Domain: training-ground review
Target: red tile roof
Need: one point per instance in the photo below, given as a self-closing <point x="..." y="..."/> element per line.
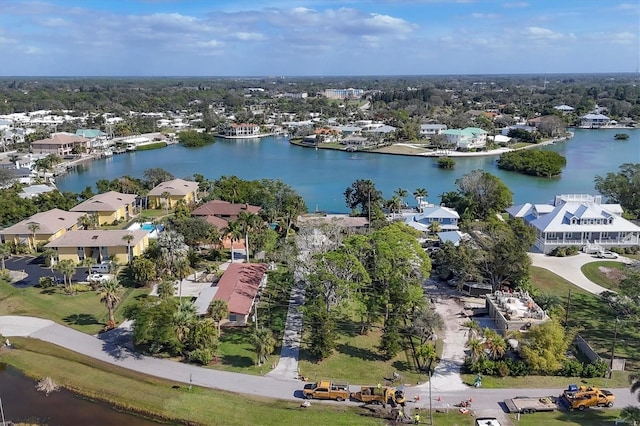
<point x="239" y="286"/>
<point x="223" y="208"/>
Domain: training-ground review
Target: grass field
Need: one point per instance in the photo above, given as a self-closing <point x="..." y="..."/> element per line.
<point x="590" y="417"/>
<point x="605" y="273"/>
<point x="619" y="380"/>
<point x="84" y="311"/>
<point x="165" y="399"/>
<point x="593" y="318"/>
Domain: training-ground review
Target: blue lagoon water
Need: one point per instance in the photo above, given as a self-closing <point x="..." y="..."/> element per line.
<point x="321" y="176"/>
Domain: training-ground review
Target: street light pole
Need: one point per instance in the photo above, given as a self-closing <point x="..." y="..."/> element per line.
<point x="613" y="347"/>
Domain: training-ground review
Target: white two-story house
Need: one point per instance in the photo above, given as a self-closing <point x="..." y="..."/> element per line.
<point x="577" y="220"/>
<point x="467" y="138"/>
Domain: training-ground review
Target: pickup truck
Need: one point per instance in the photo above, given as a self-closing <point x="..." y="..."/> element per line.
<point x="526" y="404"/>
<point x="587" y="396"/>
<point x="326" y="390"/>
<point x="380" y="395"/>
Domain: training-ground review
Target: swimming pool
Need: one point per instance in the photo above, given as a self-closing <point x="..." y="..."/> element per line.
<point x="152" y="229"/>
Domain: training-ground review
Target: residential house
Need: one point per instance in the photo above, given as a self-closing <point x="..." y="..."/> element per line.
<point x="219" y="213"/>
<point x="41" y="228"/>
<point x="109" y="207"/>
<point x="505" y="131"/>
<point x="428" y="130"/>
<point x="119" y="245"/>
<point x="177" y="190"/>
<point x="444" y="216"/>
<point x="60" y="144"/>
<point x="97" y="138"/>
<point x="36" y="190"/>
<point x="241" y="130"/>
<point x="380" y="131"/>
<point x="594" y="121"/>
<point x="343" y="93"/>
<point x="577" y="220"/>
<point x="239" y="286"/>
<point x="565" y="109"/>
<point x="467" y="138"/>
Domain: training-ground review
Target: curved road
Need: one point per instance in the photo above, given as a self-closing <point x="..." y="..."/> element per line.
<point x="112" y="349"/>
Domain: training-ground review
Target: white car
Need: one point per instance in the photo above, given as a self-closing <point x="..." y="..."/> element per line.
<point x="98" y="278"/>
<point x="606" y="254"/>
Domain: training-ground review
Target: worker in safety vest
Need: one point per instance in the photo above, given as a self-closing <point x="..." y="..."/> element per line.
<point x="416" y="418"/>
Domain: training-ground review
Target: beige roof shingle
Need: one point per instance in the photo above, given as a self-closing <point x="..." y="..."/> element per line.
<point x="97" y="238"/>
<point x="109" y="201"/>
<point x="50" y="222"/>
<point x="175" y="187"/>
<point x="61" y="138"/>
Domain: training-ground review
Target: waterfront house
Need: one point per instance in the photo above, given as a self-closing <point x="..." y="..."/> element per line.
<point x="41" y="228"/>
<point x="109" y="207"/>
<point x="97" y="138"/>
<point x="594" y="121"/>
<point x="428" y="130"/>
<point x="61" y="144"/>
<point x="239" y="130"/>
<point x="577" y="220"/>
<point x="176" y="190"/>
<point x="224" y="210"/>
<point x="239" y="286"/>
<point x="467" y="138"/>
<point x="565" y="109"/>
<point x="100" y="245"/>
<point x="446" y="218"/>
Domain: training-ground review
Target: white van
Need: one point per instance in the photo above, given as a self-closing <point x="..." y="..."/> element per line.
<point x="101" y="268"/>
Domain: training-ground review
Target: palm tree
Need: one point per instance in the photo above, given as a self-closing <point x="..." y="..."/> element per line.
<point x="264" y="344"/>
<point x="434" y="227"/>
<point x="218" y="310"/>
<point x="128" y="238"/>
<point x="33" y="227"/>
<point x="420" y="194"/>
<point x="5" y="251"/>
<point x="110" y="291"/>
<point x="473" y="329"/>
<point x="401" y="193"/>
<point x="476" y="348"/>
<point x="183" y="318"/>
<point x="496" y="344"/>
<point x="233" y="231"/>
<point x="248" y="222"/>
<point x="167" y="196"/>
<point x="67" y="268"/>
<point x="165" y="289"/>
<point x="631" y="414"/>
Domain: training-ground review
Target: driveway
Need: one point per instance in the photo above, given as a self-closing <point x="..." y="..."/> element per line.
<point x="35" y="269"/>
<point x="569" y="268"/>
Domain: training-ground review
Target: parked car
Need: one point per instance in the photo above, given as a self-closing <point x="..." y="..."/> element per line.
<point x="606" y="254"/>
<point x="98" y="278"/>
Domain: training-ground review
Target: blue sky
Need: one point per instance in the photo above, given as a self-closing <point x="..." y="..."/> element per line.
<point x="316" y="37"/>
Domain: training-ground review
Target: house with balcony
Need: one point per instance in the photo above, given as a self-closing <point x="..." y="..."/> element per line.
<point x="61" y="144"/>
<point x="594" y="121"/>
<point x="467" y="138"/>
<point x="428" y="130"/>
<point x="41" y="228"/>
<point x="577" y="220"/>
<point x="240" y="130"/>
<point x="176" y="190"/>
<point x="97" y="138"/>
<point x="101" y="245"/>
<point x="109" y="207"/>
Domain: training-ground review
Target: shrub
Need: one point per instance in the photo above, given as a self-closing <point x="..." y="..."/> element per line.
<point x="5" y="275"/>
<point x="559" y="252"/>
<point x="518" y="368"/>
<point x="46" y="282"/>
<point x="502" y="368"/>
<point x="201" y="356"/>
<point x="446" y="163"/>
<point x="81" y="288"/>
<point x="571" y="368"/>
<point x="595" y="369"/>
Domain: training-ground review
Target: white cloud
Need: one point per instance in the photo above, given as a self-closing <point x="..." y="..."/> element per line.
<point x="33" y="50"/>
<point x="247" y="36"/>
<point x="485" y="15"/>
<point x="539" y="33"/>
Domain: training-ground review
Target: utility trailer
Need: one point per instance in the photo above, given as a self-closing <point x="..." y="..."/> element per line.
<point x="531" y="404"/>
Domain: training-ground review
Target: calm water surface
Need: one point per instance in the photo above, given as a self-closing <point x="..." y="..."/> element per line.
<point x="321" y="176"/>
<point x="23" y="403"/>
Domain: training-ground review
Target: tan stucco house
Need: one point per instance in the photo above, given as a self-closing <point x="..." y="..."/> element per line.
<point x="178" y="189"/>
<point x="109" y="207"/>
<point x="100" y="244"/>
<point x="41" y="227"/>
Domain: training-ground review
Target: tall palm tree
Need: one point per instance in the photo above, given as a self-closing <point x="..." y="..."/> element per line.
<point x="5" y="250"/>
<point x="401" y="193"/>
<point x="233" y="231"/>
<point x="128" y="238"/>
<point x="110" y="291"/>
<point x="67" y="268"/>
<point x="166" y="195"/>
<point x="473" y="329"/>
<point x="218" y="310"/>
<point x="183" y="318"/>
<point x="434" y="227"/>
<point x="419" y="194"/>
<point x="33" y="227"/>
<point x="476" y="347"/>
<point x="264" y="344"/>
<point x="249" y="222"/>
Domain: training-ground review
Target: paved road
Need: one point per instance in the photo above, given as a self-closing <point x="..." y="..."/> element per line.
<point x="114" y="348"/>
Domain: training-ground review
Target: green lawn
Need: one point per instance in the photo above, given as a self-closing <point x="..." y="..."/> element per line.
<point x="236" y="353"/>
<point x="84" y="311"/>
<point x="166" y="399"/>
<point x="593" y="319"/>
<point x="607" y="274"/>
<point x="620" y="379"/>
<point x="589" y="417"/>
<point x="356" y="360"/>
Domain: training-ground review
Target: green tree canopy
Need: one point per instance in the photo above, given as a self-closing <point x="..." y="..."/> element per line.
<point x="622" y="187"/>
